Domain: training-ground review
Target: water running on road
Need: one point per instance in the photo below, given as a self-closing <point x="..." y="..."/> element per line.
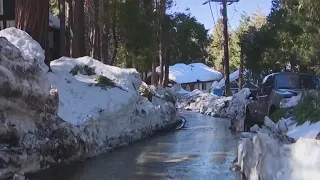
<point x="203" y="150"/>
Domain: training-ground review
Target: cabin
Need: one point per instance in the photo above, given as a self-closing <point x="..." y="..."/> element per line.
<point x="234" y="84"/>
<point x="190" y="77"/>
<point x="7" y="20"/>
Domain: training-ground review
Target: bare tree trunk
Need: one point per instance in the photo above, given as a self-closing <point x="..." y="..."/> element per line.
<point x="96" y="51"/>
<point x="241" y="69"/>
<point x="154" y="73"/>
<point x="114" y="34"/>
<point x="79" y="47"/>
<point x="70" y="28"/>
<point x="62" y="14"/>
<point x="166" y="69"/>
<point x="32" y="16"/>
<point x="105" y="33"/>
<point x="161" y="6"/>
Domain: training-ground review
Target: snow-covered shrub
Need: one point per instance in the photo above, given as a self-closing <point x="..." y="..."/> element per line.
<point x="145" y="91"/>
<point x="303" y="107"/>
<point x="104" y="82"/>
<point x="308" y="109"/>
<point x="83" y="69"/>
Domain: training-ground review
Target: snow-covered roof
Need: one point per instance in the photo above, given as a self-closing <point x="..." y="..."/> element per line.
<point x="54" y="21"/>
<point x="232" y="77"/>
<point x="182" y="73"/>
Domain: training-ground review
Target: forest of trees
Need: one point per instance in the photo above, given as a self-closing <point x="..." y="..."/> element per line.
<point x="142" y="34"/>
<point x="289" y="40"/>
<point x="131" y="33"/>
<point x="215" y="58"/>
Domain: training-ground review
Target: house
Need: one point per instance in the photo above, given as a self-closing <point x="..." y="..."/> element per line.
<point x="192" y="76"/>
<point x="7" y="20"/>
<point x="234" y="83"/>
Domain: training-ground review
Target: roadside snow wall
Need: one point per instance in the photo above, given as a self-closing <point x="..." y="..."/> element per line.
<point x="270" y="153"/>
<point x="226" y="107"/>
<point x="81" y="109"/>
<point x="282" y="151"/>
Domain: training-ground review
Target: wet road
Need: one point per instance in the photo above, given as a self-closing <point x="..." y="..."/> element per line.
<point x="203" y="150"/>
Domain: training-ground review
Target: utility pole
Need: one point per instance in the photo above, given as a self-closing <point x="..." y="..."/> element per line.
<point x="226" y="47"/>
<point x="241" y="68"/>
<point x="226" y="41"/>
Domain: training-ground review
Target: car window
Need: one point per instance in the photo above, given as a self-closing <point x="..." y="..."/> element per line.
<point x="298" y="81"/>
<point x="289" y="81"/>
<point x="310" y="82"/>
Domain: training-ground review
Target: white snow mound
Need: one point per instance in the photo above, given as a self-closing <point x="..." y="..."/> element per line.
<point x="282" y="151"/>
<point x="81" y="99"/>
<point x="291" y="102"/>
<point x="31" y="49"/>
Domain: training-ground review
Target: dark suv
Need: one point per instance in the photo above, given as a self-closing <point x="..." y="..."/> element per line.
<point x="273" y="89"/>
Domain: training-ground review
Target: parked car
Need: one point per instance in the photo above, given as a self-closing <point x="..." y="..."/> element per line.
<point x="274" y="88"/>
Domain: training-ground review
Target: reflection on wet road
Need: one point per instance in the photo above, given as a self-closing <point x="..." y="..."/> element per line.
<point x="203" y="149"/>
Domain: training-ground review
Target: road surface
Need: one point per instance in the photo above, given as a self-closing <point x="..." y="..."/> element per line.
<point x="203" y="150"/>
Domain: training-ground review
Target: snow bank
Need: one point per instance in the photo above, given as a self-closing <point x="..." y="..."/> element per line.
<point x="182" y="73"/>
<point x="228" y="107"/>
<point x="271" y="153"/>
<point x="23" y="74"/>
<point x="81" y="99"/>
<point x="31" y="50"/>
<point x="91" y="108"/>
<point x="306" y="130"/>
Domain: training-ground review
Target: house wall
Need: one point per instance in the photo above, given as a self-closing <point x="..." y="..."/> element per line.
<point x="7" y="13"/>
<point x="202" y="86"/>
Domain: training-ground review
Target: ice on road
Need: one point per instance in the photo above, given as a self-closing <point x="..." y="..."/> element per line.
<point x="204" y="149"/>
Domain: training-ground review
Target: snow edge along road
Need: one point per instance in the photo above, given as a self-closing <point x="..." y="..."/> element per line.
<point x="39" y="125"/>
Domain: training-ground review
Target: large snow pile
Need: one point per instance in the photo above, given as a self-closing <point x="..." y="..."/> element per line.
<point x="271" y="153"/>
<point x="90" y="108"/>
<point x="30" y="49"/>
<point x="23" y="80"/>
<point x="182" y="73"/>
<point x="285" y="150"/>
<point x="229" y="107"/>
<point x="81" y="98"/>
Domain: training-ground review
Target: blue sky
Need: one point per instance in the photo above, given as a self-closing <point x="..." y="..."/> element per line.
<point x="203" y="14"/>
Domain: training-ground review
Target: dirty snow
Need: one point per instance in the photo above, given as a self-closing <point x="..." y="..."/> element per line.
<point x="23" y="70"/>
<point x="31" y="50"/>
<point x="100" y="118"/>
<point x="182" y="73"/>
<point x="282" y="151"/>
<point x="229" y="107"/>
